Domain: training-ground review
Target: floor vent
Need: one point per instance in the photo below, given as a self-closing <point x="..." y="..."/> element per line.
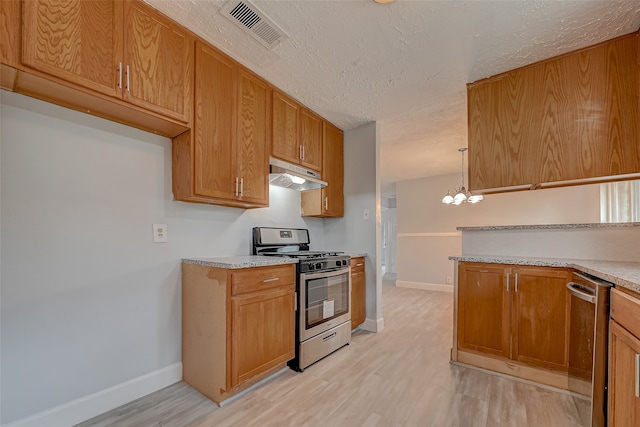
<point x="248" y="17"/>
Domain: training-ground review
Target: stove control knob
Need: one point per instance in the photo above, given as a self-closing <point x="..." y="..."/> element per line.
<point x="338" y="263"/>
<point x="311" y="266"/>
<point x="318" y="265"/>
<point x="344" y="262"/>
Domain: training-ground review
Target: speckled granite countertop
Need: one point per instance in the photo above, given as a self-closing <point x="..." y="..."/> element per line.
<point x="549" y="226"/>
<point x="623" y="274"/>
<point x="355" y="254"/>
<point x="233" y="262"/>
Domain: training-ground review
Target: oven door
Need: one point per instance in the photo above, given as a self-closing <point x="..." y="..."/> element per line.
<point x="325" y="301"/>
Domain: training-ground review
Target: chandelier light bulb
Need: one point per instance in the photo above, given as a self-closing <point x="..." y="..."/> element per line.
<point x="461" y="195"/>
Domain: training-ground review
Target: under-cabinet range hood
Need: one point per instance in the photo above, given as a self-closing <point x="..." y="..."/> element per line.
<point x="292" y="176"/>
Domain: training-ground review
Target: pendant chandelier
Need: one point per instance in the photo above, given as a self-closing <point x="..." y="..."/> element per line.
<point x="461" y="195"/>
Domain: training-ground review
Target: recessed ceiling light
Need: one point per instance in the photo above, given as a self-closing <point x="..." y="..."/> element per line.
<point x="383" y="1"/>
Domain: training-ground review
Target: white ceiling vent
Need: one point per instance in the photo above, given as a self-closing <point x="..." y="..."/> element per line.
<point x="247" y="16"/>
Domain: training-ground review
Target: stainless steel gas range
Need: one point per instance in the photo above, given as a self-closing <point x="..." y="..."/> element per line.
<point x="323" y="308"/>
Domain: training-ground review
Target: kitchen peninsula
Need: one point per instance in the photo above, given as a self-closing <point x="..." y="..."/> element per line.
<point x="532" y="301"/>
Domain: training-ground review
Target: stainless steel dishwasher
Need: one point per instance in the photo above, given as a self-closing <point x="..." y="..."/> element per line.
<point x="588" y="336"/>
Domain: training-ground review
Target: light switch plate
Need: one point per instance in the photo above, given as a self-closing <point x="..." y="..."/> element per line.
<point x="160" y="233"/>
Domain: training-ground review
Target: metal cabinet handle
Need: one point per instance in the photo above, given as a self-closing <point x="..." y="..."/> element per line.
<point x="241" y="187"/>
<point x="120" y="75"/>
<point x="359" y="264"/>
<point x="273" y="279"/>
<point x="637" y="375"/>
<point x="582" y="292"/>
<point x="516" y="282"/>
<point x="128" y="81"/>
<point x="508" y="280"/>
<point x="236" y="186"/>
<point x="302" y="146"/>
<point x="326" y="203"/>
<point x="301" y="154"/>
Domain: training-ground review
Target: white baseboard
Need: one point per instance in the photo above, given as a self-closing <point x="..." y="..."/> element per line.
<point x="425" y="286"/>
<point x="373" y="325"/>
<point x="87" y="407"/>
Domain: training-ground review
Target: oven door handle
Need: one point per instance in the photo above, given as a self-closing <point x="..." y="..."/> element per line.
<point x="333" y="273"/>
<point x="580" y="291"/>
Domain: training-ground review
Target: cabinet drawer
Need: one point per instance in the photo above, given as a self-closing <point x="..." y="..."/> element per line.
<point x="260" y="278"/>
<point x="625" y="309"/>
<point x="357" y="265"/>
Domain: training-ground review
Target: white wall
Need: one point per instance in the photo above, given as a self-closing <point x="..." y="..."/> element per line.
<point x="353" y="233"/>
<point x="87" y="300"/>
<point x="427" y="233"/>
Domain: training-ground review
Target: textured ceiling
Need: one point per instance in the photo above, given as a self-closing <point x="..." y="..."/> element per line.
<point x="404" y="64"/>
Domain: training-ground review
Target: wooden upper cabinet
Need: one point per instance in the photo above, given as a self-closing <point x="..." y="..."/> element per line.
<point x="125" y="50"/>
<point x="333" y="171"/>
<point x="224" y="158"/>
<point x="75" y="40"/>
<point x="286" y="124"/>
<point x="253" y="125"/>
<point x="328" y="202"/>
<point x="311" y="140"/>
<point x="297" y="133"/>
<point x="9" y="42"/>
<point x="573" y="117"/>
<point x="214" y="153"/>
<point x="157" y="59"/>
<point x="540" y="324"/>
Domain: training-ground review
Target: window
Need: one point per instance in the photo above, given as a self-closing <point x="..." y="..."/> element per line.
<point x="620" y="201"/>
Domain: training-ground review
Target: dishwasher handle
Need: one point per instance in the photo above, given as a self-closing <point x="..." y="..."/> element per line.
<point x="582" y="292"/>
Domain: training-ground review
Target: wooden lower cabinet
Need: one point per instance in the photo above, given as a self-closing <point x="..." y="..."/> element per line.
<point x="514" y="315"/>
<point x="237" y="326"/>
<point x="483" y="309"/>
<point x="540" y="317"/>
<point x="358" y="292"/>
<point x="624" y="360"/>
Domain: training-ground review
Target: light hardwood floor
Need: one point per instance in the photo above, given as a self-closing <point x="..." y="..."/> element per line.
<point x="398" y="377"/>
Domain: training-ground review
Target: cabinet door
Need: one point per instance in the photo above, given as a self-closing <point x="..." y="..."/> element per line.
<point x="262" y="334"/>
<point x="358" y="294"/>
<point x="540" y="320"/>
<point x="75" y="40"/>
<point x="333" y="172"/>
<point x="568" y="118"/>
<point x="214" y="124"/>
<point x="158" y="55"/>
<point x="311" y="140"/>
<point x="252" y="138"/>
<point x="483" y="308"/>
<point x="624" y="400"/>
<point x="286" y="116"/>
